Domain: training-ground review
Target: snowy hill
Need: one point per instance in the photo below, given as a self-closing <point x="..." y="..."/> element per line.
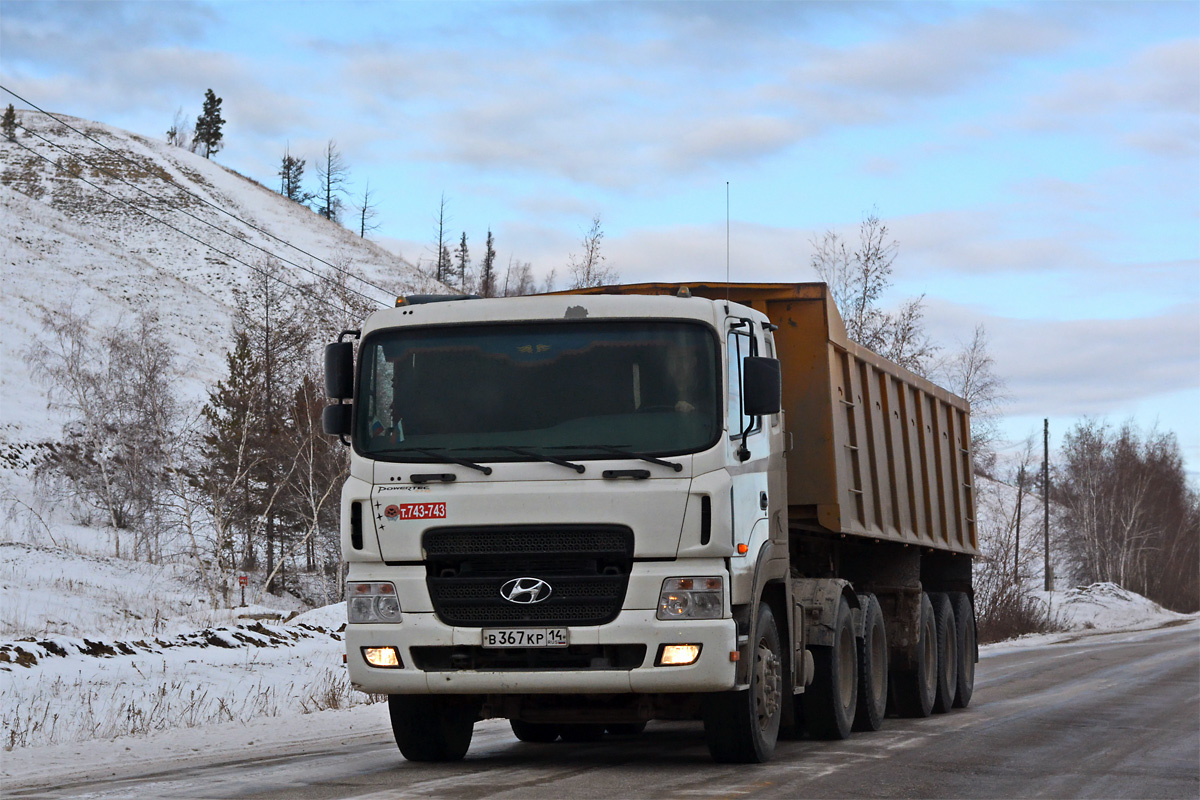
<point x="68" y="240"/>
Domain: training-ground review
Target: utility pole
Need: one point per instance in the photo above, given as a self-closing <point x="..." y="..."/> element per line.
<point x="1046" y="501"/>
<point x="1017" y="546"/>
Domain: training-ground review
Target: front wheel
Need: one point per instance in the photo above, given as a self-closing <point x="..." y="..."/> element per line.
<point x="742" y="727"/>
<point x="433" y="727"/>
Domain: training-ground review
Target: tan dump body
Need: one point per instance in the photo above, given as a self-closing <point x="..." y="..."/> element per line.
<point x="876" y="451"/>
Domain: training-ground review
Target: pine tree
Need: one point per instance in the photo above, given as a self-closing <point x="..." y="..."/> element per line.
<point x="208" y="124"/>
<point x="487" y="270"/>
<point x="462" y="259"/>
<point x="9" y="123"/>
<point x="233" y="448"/>
<point x="291" y="173"/>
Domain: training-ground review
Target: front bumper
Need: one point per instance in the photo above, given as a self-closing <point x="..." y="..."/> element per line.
<point x="712" y="671"/>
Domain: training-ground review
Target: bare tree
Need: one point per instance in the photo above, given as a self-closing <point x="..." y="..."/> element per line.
<point x="115" y="394"/>
<point x="180" y="132"/>
<point x="368" y="210"/>
<point x="332" y="175"/>
<point x="970" y="373"/>
<point x="1132" y="518"/>
<point x="588" y="268"/>
<point x="442" y="269"/>
<point x="858" y="279"/>
<point x="518" y="279"/>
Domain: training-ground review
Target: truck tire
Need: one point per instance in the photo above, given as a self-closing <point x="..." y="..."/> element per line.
<point x="830" y="703"/>
<point x="947" y="650"/>
<point x="964" y="618"/>
<point x="872" y="668"/>
<point x="912" y="691"/>
<point x="432" y="727"/>
<point x="742" y="727"/>
<point x="534" y="732"/>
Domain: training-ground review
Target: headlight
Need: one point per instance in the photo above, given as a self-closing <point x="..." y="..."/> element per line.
<point x="691" y="598"/>
<point x="372" y="602"/>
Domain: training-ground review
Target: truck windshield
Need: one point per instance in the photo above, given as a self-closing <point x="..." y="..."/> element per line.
<point x="567" y="389"/>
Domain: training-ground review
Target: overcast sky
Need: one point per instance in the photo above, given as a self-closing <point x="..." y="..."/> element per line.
<point x="1038" y="164"/>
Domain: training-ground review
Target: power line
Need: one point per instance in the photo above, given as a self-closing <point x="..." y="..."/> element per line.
<point x="188" y="235"/>
<point x="215" y="227"/>
<point x="195" y="196"/>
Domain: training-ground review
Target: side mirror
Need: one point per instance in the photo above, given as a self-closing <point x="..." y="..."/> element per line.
<point x="339" y="370"/>
<point x="761" y="386"/>
<point x="336" y="419"/>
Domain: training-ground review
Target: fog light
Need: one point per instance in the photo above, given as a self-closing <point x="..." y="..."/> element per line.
<point x="381" y="656"/>
<point x="678" y="655"/>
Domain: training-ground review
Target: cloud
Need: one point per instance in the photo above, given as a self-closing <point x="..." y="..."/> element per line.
<point x="1082" y="366"/>
<point x="1150" y="101"/>
<point x="932" y="60"/>
<point x="82" y="34"/>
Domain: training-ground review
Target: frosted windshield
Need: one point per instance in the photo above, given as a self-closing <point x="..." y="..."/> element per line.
<point x="565" y="389"/>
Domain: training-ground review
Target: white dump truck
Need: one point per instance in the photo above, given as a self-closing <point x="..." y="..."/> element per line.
<point x="584" y="511"/>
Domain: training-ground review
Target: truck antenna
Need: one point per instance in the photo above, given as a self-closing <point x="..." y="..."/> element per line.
<point x="726" y="247"/>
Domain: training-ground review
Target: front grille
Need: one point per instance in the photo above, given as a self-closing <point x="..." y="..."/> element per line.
<point x="587" y="568"/>
<point x="589" y="657"/>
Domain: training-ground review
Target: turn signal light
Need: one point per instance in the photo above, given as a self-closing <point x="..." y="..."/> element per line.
<point x="381" y="656"/>
<point x="678" y="655"/>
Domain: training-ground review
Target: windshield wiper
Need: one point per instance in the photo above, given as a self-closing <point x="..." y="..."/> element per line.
<point x="436" y="455"/>
<point x="543" y="457"/>
<point x="617" y="451"/>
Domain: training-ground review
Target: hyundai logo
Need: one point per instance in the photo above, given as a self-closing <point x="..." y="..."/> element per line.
<point x="525" y="590"/>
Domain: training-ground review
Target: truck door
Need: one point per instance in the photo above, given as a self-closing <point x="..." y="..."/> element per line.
<point x="748" y="465"/>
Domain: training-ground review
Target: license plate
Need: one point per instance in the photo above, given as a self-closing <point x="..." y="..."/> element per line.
<point x="525" y="637"/>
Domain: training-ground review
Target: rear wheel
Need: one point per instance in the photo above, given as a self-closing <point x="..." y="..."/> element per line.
<point x="872" y="669"/>
<point x="913" y="690"/>
<point x="947" y="653"/>
<point x="432" y="727"/>
<point x="742" y="727"/>
<point x="534" y="732"/>
<point x="964" y="618"/>
<point x="831" y="701"/>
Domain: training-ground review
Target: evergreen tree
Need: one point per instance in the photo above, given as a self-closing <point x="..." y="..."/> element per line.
<point x="208" y="124"/>
<point x="291" y="173"/>
<point x="233" y="448"/>
<point x="462" y="260"/>
<point x="9" y="123"/>
<point x="487" y="270"/>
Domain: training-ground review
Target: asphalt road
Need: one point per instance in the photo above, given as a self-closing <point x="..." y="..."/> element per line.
<point x="1114" y="715"/>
